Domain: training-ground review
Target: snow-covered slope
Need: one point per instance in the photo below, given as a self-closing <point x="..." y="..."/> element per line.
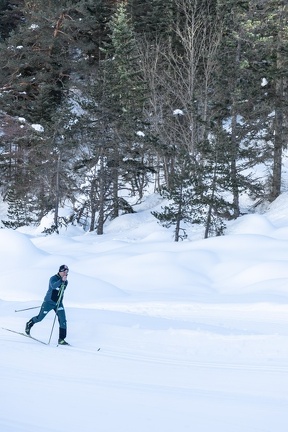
<point x="193" y="335"/>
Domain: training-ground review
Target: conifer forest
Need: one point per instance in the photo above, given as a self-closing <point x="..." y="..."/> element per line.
<point x="104" y="101"/>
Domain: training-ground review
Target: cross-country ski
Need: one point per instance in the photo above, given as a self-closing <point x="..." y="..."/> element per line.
<point x="25" y="335"/>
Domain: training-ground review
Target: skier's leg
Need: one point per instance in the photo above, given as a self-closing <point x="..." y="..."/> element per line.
<point x="45" y="308"/>
<point x="62" y="322"/>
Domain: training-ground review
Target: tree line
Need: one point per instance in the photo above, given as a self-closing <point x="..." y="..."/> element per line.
<point x="111" y="99"/>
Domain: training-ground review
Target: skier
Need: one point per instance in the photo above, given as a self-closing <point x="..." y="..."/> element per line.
<point x="53" y="300"/>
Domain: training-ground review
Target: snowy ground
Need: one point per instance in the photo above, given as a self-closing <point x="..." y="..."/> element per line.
<point x="193" y="335"/>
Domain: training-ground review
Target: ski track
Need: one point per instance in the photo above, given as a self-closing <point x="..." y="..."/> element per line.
<point x="125" y="354"/>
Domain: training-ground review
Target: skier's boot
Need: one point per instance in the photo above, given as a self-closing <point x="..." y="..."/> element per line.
<point x="62" y="342"/>
<point x="62" y="336"/>
<point x="28" y="327"/>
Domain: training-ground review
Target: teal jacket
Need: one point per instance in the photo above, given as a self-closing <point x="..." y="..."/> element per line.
<point x="54" y="288"/>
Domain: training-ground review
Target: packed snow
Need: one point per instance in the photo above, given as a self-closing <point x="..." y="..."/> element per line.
<point x="193" y="336"/>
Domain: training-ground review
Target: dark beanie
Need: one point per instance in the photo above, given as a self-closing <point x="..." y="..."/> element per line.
<point x="63" y="267"/>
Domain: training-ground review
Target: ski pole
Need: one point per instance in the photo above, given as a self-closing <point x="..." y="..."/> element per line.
<point x="56" y="310"/>
<point x="21" y="310"/>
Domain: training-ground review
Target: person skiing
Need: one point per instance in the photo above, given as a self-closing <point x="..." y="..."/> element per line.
<point x="54" y="300"/>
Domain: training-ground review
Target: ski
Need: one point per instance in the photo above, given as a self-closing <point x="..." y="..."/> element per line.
<point x="37" y="340"/>
<point x="24" y="334"/>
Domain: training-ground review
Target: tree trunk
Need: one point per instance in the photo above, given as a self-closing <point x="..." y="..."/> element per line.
<point x="280" y="97"/>
<point x="277" y="157"/>
<point x="57" y="193"/>
<point x="93" y="200"/>
<point x="102" y="186"/>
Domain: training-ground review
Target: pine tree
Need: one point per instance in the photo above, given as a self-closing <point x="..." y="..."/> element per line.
<point x="35" y="66"/>
<point x="196" y="193"/>
<point x="250" y="87"/>
<point x="10" y="16"/>
<point x="180" y="195"/>
<point x="267" y="30"/>
<point x="153" y="18"/>
<point x="20" y="211"/>
<point x="41" y="63"/>
<point x="122" y="98"/>
<point x="236" y="93"/>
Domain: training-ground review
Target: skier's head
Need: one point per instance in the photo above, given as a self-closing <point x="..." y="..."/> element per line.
<point x="63" y="268"/>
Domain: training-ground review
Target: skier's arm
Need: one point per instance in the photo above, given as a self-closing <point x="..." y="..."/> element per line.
<point x="56" y="288"/>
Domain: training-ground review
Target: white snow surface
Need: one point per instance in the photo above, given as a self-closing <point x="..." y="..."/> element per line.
<point x="193" y="335"/>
